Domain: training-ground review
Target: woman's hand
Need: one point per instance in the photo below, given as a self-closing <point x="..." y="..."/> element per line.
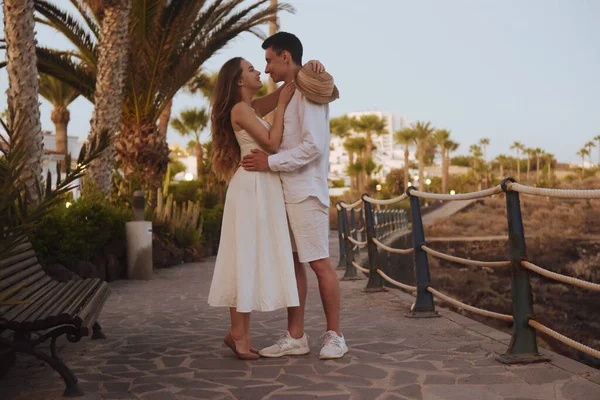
<point x="316" y="66"/>
<point x="286" y="94"/>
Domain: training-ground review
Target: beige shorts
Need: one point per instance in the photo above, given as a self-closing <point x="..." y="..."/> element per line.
<point x="309" y="229"/>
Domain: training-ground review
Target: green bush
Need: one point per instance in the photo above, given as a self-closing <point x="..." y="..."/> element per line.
<point x="211" y="232"/>
<point x="338" y="183"/>
<point x="185" y="191"/>
<point x="80" y="231"/>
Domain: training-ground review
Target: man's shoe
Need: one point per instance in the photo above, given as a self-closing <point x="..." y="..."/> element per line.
<point x="287" y="346"/>
<point x="334" y="346"/>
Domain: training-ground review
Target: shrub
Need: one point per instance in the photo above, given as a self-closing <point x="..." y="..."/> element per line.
<point x="211" y="233"/>
<point x="185" y="191"/>
<point x="80" y="231"/>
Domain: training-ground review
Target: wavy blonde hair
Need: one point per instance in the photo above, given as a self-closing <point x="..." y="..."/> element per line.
<point x="226" y="149"/>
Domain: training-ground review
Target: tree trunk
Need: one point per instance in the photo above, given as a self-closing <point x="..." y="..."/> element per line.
<point x="23" y="88"/>
<point x="550" y="177"/>
<point x="113" y="56"/>
<point x="537" y="171"/>
<point x="406" y="177"/>
<point x="518" y="167"/>
<point x="421" y="157"/>
<point x="501" y="171"/>
<point x="60" y="117"/>
<point x="163" y="121"/>
<point x="199" y="161"/>
<point x="353" y="183"/>
<point x="528" y="167"/>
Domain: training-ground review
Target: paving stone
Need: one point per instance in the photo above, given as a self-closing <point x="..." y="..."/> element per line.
<point x="316" y="388"/>
<point x="116" y="386"/>
<point x="440" y="380"/>
<point x="413" y="392"/>
<point x="293" y="380"/>
<point x="199" y="394"/>
<point x="580" y="390"/>
<point x="366" y="393"/>
<point x="488" y="379"/>
<point x="160" y="395"/>
<point x="365" y="371"/>
<point x="171" y="371"/>
<point x="114" y="369"/>
<point x="404" y="378"/>
<point x="255" y="392"/>
<point x="418" y="365"/>
<point x="146" y="387"/>
<point x="265" y="372"/>
<point x="97" y="378"/>
<point x="382" y="348"/>
<point x="537" y="376"/>
<point x="173" y="361"/>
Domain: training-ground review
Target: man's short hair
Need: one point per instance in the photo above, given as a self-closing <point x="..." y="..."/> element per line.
<point x="285" y="41"/>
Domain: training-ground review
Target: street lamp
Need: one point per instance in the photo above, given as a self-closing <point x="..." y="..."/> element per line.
<point x="378" y="187"/>
<point x="452" y="192"/>
<point x="189" y="176"/>
<point x="428" y="182"/>
<point x="68" y="204"/>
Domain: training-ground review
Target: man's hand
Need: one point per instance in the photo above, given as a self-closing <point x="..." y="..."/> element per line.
<point x="257" y="161"/>
<point x="316" y="66"/>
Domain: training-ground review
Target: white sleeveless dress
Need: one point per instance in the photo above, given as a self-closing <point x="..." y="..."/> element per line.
<point x="254" y="269"/>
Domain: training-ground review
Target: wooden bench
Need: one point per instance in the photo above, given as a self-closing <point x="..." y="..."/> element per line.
<point x="47" y="309"/>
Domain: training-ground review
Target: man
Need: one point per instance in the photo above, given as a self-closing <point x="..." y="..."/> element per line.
<point x="302" y="161"/>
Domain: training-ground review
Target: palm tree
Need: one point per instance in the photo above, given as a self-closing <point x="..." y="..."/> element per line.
<point x="170" y="40"/>
<point x="370" y="125"/>
<point x="549" y="158"/>
<point x="476" y="153"/>
<point x="597" y="138"/>
<point x="530" y="153"/>
<point x="519" y="147"/>
<point x="539" y="153"/>
<point x="501" y="160"/>
<point x="356" y="146"/>
<point x="423" y="133"/>
<point x="23" y="89"/>
<point x="442" y="139"/>
<point x="60" y="95"/>
<point x="406" y="137"/>
<point x="340" y="126"/>
<point x="582" y="153"/>
<point x="589" y="145"/>
<point x="163" y="120"/>
<point x="484" y="142"/>
<point x="191" y="122"/>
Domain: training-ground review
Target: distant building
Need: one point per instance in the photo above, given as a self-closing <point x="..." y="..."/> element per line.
<point x="51" y="157"/>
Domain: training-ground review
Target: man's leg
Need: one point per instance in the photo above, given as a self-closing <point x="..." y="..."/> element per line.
<point x="296" y="314"/>
<point x="329" y="288"/>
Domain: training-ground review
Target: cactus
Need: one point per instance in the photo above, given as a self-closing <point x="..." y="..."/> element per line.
<point x="183" y="221"/>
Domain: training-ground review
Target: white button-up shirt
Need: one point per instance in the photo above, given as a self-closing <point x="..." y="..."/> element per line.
<point x="303" y="157"/>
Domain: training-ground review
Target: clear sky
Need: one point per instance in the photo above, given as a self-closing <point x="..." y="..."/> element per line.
<point x="508" y="70"/>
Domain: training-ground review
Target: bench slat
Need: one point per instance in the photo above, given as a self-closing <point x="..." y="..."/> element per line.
<point x="88" y="322"/>
<point x="22" y="251"/>
<point x="33" y="284"/>
<point x="14" y="289"/>
<point x="85" y="315"/>
<point x="50" y="304"/>
<point x="18" y="277"/>
<point x="90" y="286"/>
<point x="21" y="265"/>
<point x="40" y="303"/>
<point x="32" y="302"/>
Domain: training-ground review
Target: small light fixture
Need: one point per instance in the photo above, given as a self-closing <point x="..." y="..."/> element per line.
<point x="68" y="204"/>
<point x="409" y="184"/>
<point x="378" y="187"/>
<point x="189" y="176"/>
<point x="428" y="182"/>
<point x="452" y="192"/>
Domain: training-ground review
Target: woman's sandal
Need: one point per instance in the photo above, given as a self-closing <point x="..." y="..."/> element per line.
<point x="252" y="355"/>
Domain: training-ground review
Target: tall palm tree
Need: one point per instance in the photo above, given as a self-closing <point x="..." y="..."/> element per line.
<point x="170" y="40"/>
<point x="60" y="95"/>
<point x="164" y="119"/>
<point x="356" y="146"/>
<point x="549" y="158"/>
<point x="582" y="153"/>
<point x="191" y="122"/>
<point x="501" y="160"/>
<point x="405" y="137"/>
<point x="530" y="153"/>
<point x="519" y="147"/>
<point x="476" y="154"/>
<point x="442" y="139"/>
<point x="539" y="153"/>
<point x="340" y="126"/>
<point x="484" y="142"/>
<point x="23" y="89"/>
<point x="597" y="139"/>
<point x="370" y="125"/>
<point x="423" y="133"/>
<point x="589" y="145"/>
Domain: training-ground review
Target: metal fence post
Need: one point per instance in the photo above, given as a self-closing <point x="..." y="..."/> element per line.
<point x="350" y="273"/>
<point x="424" y="306"/>
<point x="353" y="232"/>
<point x="523" y="345"/>
<point x="375" y="283"/>
<point x="363" y="232"/>
<point x="340" y="224"/>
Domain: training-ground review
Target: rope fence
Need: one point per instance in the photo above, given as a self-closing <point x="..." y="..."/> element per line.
<point x="376" y="225"/>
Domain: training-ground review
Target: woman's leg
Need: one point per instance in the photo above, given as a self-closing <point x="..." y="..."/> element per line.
<point x="247" y="330"/>
<point x="238" y="330"/>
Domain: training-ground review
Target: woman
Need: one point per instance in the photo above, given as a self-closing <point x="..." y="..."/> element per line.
<point x="254" y="269"/>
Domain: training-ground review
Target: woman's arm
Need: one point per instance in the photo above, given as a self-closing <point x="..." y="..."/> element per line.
<point x="245" y="117"/>
<point x="266" y="104"/>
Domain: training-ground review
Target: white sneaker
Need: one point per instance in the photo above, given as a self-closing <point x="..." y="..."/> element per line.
<point x="287" y="346"/>
<point x="334" y="346"/>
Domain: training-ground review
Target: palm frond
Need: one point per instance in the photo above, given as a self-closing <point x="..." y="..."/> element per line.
<point x="62" y="67"/>
<point x="68" y="25"/>
<point x="57" y="92"/>
<point x="88" y="16"/>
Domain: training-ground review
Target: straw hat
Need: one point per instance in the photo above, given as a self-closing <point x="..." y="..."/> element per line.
<point x="317" y="87"/>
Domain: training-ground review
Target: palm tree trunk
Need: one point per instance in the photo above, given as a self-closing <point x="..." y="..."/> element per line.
<point x="528" y="166"/>
<point x="421" y="156"/>
<point x="199" y="161"/>
<point x="108" y="97"/>
<point x="163" y="121"/>
<point x="23" y="87"/>
<point x="502" y="170"/>
<point x="518" y="167"/>
<point x="550" y="178"/>
<point x="537" y="171"/>
<point x="353" y="180"/>
<point x="60" y="117"/>
<point x="406" y="177"/>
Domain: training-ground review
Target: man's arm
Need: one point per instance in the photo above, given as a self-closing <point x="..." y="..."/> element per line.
<point x="314" y="141"/>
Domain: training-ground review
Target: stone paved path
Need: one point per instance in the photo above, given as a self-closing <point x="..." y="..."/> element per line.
<point x="164" y="343"/>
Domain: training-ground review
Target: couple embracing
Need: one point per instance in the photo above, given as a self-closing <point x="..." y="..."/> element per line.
<point x="276" y="211"/>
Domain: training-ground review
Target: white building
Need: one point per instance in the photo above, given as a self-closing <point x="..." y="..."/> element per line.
<point x="388" y="154"/>
<point x="51" y="157"/>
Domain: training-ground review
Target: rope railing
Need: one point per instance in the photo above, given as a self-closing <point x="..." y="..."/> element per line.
<point x="453" y="197"/>
<point x="561" y="278"/>
<point x="378" y="225"/>
<point x="465" y="261"/>
<point x="559" y="193"/>
<point x="460" y="304"/>
<point x="561" y="338"/>
<point x="391" y="249"/>
<point x="387" y="202"/>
